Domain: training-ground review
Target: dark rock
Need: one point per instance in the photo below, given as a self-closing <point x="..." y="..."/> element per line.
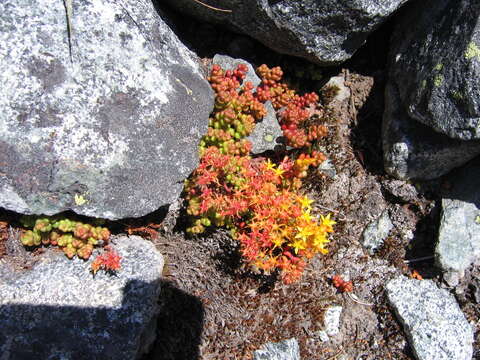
<point x="458" y="244"/>
<point x="414" y="151"/>
<point x="435" y="326"/>
<point x="59" y="310"/>
<point x="110" y="131"/>
<point x="325" y="32"/>
<point x="435" y="63"/>
<point x="241" y="46"/>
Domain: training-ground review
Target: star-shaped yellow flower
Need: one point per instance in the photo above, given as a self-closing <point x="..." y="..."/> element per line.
<point x="327" y="222"/>
<point x="319" y="241"/>
<point x="304" y="232"/>
<point x="269" y="165"/>
<point x="305" y="202"/>
<point x="306" y="216"/>
<point x="298" y="244"/>
<point x="279" y="171"/>
<point x="277" y="241"/>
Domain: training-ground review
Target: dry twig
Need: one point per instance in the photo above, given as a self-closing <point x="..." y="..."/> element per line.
<point x="212" y="7"/>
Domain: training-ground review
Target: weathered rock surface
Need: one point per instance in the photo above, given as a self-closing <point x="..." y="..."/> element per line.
<point x="400" y="189"/>
<point x="110" y="131"/>
<point x="413" y="150"/>
<point x="435" y="63"/>
<point x="331" y="321"/>
<point x="284" y="350"/>
<point x="326" y="32"/>
<point x="376" y="232"/>
<point x="434" y="324"/>
<point x="267" y="135"/>
<point x="60" y="310"/>
<point x="458" y="244"/>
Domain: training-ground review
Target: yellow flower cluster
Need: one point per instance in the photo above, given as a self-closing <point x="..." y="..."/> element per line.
<point x="311" y="235"/>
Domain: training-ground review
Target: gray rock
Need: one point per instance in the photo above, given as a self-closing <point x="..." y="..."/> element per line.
<point x="267" y="134"/>
<point x="327" y="32"/>
<point x="327" y="168"/>
<point x="229" y="63"/>
<point x="284" y="350"/>
<point x="109" y="132"/>
<point x="435" y="326"/>
<point x="401" y="189"/>
<point x="331" y="320"/>
<point x="435" y="62"/>
<point x="413" y="150"/>
<point x="458" y="244"/>
<point x="376" y="232"/>
<point x="59" y="310"/>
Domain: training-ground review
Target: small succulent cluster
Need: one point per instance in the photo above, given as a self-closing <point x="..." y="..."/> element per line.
<point x="296" y="120"/>
<point x="108" y="261"/>
<point x="259" y="201"/>
<point x="236" y="110"/>
<point x="73" y="237"/>
<point x="342" y="285"/>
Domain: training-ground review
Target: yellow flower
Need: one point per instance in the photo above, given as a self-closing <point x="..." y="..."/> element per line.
<point x="306" y="216"/>
<point x="305" y="202"/>
<point x="279" y="172"/>
<point x="277" y="241"/>
<point x="327" y="222"/>
<point x="318" y="242"/>
<point x="298" y="244"/>
<point x="304" y="232"/>
<point x="269" y="165"/>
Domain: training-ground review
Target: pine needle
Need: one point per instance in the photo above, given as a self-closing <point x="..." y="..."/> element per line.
<point x="211" y="7"/>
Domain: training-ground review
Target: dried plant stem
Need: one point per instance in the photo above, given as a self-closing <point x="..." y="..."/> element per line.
<point x="353" y="297"/>
<point x="343" y="217"/>
<point x="211" y="7"/>
<point x="418" y="259"/>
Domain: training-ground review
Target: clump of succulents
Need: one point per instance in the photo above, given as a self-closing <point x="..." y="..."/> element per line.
<point x="73" y="237"/>
<point x="259" y="201"/>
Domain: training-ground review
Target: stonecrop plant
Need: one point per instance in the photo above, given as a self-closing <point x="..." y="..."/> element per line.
<point x="73" y="237"/>
<point x="259" y="201"/>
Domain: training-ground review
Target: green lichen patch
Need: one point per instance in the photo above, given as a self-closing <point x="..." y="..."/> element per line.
<point x="457" y="95"/>
<point x="438" y="80"/>
<point x="438" y="67"/>
<point x="472" y="51"/>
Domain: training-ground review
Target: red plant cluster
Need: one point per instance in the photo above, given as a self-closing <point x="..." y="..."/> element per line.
<point x="342" y="285"/>
<point x="295" y="117"/>
<point x="236" y="110"/>
<point x="259" y="201"/>
<point x="107" y="261"/>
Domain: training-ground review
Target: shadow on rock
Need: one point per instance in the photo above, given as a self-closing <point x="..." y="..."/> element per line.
<point x="31" y="331"/>
<point x="179" y="326"/>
